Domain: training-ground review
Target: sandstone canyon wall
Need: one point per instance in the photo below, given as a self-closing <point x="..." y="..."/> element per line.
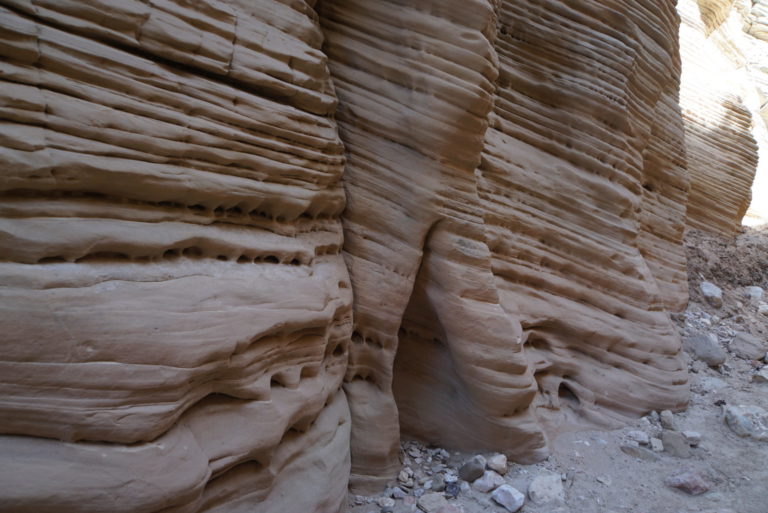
<point x="511" y="248"/>
<point x="175" y="308"/>
<point x="247" y="244"/>
<point x="724" y="97"/>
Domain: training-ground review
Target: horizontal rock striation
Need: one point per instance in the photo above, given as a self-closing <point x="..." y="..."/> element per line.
<point x="518" y="282"/>
<point x="175" y="306"/>
<point x="415" y="86"/>
<point x="583" y="180"/>
<point x="721" y="98"/>
<point x="244" y="246"/>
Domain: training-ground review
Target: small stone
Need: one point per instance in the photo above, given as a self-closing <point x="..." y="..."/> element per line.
<point x="753" y="293"/>
<point x="438" y="483"/>
<point x="712" y="293"/>
<point x="452" y="490"/>
<point x="761" y="376"/>
<point x="748" y="421"/>
<point x="413" y="451"/>
<point x="464" y="487"/>
<point x="546" y="488"/>
<point x="692" y="437"/>
<point x="705" y="347"/>
<point x="747" y="346"/>
<point x="640" y="437"/>
<point x="497" y="463"/>
<point x="489" y="481"/>
<point x="431" y="502"/>
<point x="667" y="419"/>
<point x="689" y="481"/>
<point x="603" y="480"/>
<point x="384" y="502"/>
<point x="639" y="452"/>
<point x="451" y="478"/>
<point x="762" y="309"/>
<point x="399" y="493"/>
<point x="508" y="497"/>
<point x="676" y="444"/>
<point x="472" y="468"/>
<point x="403" y="476"/>
<point x="657" y="445"/>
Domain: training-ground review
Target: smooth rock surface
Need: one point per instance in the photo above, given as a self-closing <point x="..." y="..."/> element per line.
<point x="508" y="497"/>
<point x="747" y="421"/>
<point x="676" y="444"/>
<point x="640" y="437"/>
<point x="712" y="294"/>
<point x="473" y="468"/>
<point x="497" y="463"/>
<point x="692" y="437"/>
<point x="667" y="420"/>
<point x="489" y="481"/>
<point x="705" y="347"/>
<point x="431" y="502"/>
<point x="754" y="293"/>
<point x="748" y="346"/>
<point x="689" y="481"/>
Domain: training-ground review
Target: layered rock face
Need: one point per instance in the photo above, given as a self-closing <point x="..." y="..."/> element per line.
<point x="724" y="97"/>
<point x="512" y="248"/>
<point x="175" y="308"/>
<point x="183" y="330"/>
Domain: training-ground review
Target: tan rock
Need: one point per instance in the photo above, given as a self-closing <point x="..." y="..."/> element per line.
<point x="182" y="329"/>
<point x="175" y="308"/>
<point x="722" y="96"/>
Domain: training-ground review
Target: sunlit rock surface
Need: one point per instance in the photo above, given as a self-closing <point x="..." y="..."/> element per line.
<point x="724" y="97"/>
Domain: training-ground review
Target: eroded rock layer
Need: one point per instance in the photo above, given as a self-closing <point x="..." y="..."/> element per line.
<point x="724" y="88"/>
<point x="526" y="274"/>
<point x="583" y="179"/>
<point x="175" y="309"/>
